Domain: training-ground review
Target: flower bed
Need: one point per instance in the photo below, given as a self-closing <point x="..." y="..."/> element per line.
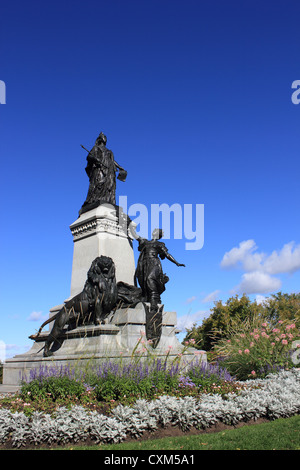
<point x="275" y="396"/>
<point x="117" y="382"/>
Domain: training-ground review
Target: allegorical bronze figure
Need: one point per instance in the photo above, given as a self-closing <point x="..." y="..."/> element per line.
<point x="151" y="278"/>
<point x="149" y="273"/>
<point x="101" y="169"/>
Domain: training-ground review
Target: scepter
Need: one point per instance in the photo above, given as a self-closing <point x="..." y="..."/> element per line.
<point x="88" y="151"/>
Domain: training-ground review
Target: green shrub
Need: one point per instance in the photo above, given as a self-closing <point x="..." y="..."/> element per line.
<point x="224" y="317"/>
<point x="256" y="348"/>
<point x="114" y="387"/>
<point x="53" y="388"/>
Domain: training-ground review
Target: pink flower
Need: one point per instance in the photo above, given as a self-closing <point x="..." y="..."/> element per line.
<point x="246" y="351"/>
<point x="256" y="336"/>
<point x="284" y="341"/>
<point x="240" y="351"/>
<point x="276" y="330"/>
<point x="253" y="372"/>
<point x="265" y="325"/>
<point x="251" y="344"/>
<point x="272" y="344"/>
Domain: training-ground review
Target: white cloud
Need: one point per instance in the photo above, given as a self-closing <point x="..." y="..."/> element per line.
<point x="287" y="260"/>
<point x="259" y="267"/>
<point x="260" y="299"/>
<point x="243" y="256"/>
<point x="257" y="282"/>
<point x="190" y="300"/>
<point x="212" y="296"/>
<point x="36" y="316"/>
<point x="2" y="351"/>
<point x="188" y="320"/>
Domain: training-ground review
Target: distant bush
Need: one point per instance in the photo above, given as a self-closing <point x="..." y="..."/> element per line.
<point x="225" y="316"/>
<point x="255" y="348"/>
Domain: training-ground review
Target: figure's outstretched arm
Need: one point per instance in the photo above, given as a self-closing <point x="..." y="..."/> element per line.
<point x="170" y="257"/>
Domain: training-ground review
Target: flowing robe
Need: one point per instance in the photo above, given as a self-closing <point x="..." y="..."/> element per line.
<point x="149" y="273"/>
<point x="101" y="170"/>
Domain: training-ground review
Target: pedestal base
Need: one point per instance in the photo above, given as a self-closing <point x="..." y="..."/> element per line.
<point x="101" y="231"/>
<point x="87" y="346"/>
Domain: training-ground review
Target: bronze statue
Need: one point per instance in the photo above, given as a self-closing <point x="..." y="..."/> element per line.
<point x="152" y="280"/>
<point x="98" y="298"/>
<point x="101" y="169"/>
<point x="101" y="294"/>
<point x="149" y="273"/>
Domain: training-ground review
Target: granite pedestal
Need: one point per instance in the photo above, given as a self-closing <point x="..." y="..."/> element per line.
<point x="101" y="231"/>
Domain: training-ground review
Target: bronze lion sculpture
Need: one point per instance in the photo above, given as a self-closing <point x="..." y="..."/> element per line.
<point x="97" y="299"/>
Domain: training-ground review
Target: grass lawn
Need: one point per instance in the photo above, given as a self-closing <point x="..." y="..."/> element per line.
<point x="281" y="434"/>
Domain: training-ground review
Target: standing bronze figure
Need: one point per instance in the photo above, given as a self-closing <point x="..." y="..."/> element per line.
<point x="101" y="169"/>
<point x="152" y="280"/>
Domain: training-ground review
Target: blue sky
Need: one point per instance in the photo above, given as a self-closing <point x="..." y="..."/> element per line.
<point x="195" y="100"/>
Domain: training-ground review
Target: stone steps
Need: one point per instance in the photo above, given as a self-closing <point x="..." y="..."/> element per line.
<point x="8" y="389"/>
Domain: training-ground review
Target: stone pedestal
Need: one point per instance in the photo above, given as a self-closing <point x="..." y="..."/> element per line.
<point x="101" y="231"/>
<point x="86" y="346"/>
